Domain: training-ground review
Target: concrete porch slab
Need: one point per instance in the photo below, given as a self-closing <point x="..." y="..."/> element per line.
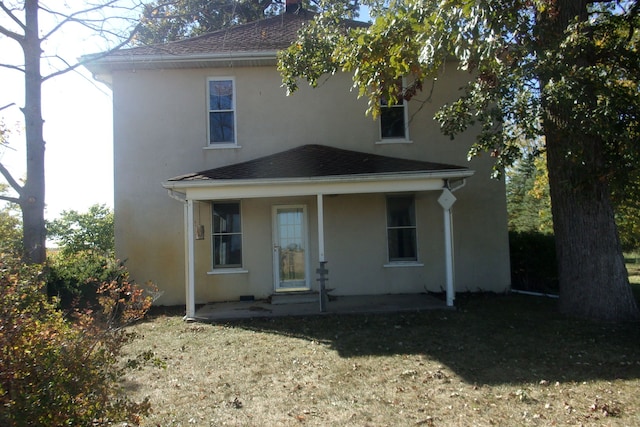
<point x="213" y="312"/>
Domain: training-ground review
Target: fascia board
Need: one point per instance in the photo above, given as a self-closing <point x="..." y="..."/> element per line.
<point x="124" y="62"/>
<point x="242" y="189"/>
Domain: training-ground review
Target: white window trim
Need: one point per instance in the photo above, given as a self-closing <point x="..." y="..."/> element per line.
<point x="403" y="264"/>
<point x="228" y="270"/>
<point x="222" y="145"/>
<point x="406" y="139"/>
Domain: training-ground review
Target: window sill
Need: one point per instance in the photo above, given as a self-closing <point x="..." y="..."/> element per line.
<point x="221" y="146"/>
<point x="228" y="271"/>
<point x="394" y="141"/>
<point x="400" y="264"/>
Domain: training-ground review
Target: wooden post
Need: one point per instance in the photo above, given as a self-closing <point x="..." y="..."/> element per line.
<point x="322" y="278"/>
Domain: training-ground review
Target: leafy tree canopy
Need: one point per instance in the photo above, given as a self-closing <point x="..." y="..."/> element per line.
<point x="169" y="20"/>
<point x="500" y="42"/>
<point x="90" y="231"/>
<point x="565" y="70"/>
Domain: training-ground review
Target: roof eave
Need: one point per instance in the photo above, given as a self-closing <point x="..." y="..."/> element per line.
<point x="343" y="184"/>
<point x="136" y="62"/>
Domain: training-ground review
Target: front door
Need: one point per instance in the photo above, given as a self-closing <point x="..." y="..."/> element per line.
<point x="290" y="251"/>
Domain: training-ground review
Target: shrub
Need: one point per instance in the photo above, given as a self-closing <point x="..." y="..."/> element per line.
<point x="58" y="371"/>
<point x="75" y="279"/>
<point x="533" y="262"/>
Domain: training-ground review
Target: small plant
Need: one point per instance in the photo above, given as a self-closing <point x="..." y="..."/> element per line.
<point x="64" y="370"/>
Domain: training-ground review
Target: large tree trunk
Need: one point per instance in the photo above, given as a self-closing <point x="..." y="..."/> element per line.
<point x="593" y="278"/>
<point x="33" y="192"/>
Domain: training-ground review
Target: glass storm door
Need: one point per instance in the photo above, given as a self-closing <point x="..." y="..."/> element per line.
<point x="290" y="248"/>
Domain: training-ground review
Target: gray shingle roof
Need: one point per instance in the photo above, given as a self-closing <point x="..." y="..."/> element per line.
<point x="269" y="34"/>
<point x="317" y="161"/>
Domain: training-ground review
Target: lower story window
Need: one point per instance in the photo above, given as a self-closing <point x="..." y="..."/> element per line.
<point x="227" y="235"/>
<point x="401" y="229"/>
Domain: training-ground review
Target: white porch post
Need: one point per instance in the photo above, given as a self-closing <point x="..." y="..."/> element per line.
<point x="321" y="228"/>
<point x="322" y="271"/>
<point x="189" y="262"/>
<point x="446" y="200"/>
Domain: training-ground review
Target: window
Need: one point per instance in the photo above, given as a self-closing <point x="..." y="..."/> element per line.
<point x="393" y="119"/>
<point x="222" y="117"/>
<point x="227" y="235"/>
<point x="401" y="229"/>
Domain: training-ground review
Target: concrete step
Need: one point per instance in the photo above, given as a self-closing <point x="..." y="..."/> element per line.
<point x="302" y="297"/>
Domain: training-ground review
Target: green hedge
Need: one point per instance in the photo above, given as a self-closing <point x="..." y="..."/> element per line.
<point x="533" y="262"/>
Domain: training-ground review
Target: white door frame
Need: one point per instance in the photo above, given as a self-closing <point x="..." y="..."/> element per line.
<point x="276" y="248"/>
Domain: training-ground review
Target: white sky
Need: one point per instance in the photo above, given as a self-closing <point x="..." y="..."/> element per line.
<point x="77" y="129"/>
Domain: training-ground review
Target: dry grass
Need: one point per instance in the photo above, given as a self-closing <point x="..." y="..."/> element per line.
<point x="504" y="361"/>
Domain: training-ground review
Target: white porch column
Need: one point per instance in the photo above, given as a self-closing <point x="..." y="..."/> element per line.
<point x="446" y="200"/>
<point x="189" y="262"/>
<point x="321" y="228"/>
<point x="322" y="271"/>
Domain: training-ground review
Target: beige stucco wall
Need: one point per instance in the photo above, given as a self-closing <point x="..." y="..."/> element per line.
<point x="160" y="122"/>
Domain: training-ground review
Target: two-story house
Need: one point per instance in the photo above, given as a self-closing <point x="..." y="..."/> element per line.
<point x="227" y="188"/>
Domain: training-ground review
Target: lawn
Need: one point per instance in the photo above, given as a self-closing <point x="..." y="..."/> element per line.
<point x="504" y="361"/>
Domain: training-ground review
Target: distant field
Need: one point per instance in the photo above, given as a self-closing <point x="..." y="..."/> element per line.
<point x="505" y="361"/>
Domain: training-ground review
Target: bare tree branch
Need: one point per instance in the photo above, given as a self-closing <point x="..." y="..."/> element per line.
<point x="10" y="199"/>
<point x="4" y="107"/>
<point x="81" y="62"/>
<point x="13" y="17"/>
<point x="15" y="36"/>
<point x="12" y="67"/>
<point x="73" y="17"/>
<point x="12" y="182"/>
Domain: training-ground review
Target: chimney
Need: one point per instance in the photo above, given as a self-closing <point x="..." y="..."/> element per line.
<point x="293" y="6"/>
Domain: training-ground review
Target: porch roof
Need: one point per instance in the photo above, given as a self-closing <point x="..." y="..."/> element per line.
<point x="315" y="169"/>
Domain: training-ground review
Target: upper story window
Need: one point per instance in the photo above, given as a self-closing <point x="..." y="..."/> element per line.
<point x="394" y="122"/>
<point x="222" y="111"/>
<point x="401" y="229"/>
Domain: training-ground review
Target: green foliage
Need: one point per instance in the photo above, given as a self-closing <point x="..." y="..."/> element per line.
<point x="85" y="259"/>
<point x="56" y="371"/>
<point x="91" y="231"/>
<point x="75" y="279"/>
<point x="10" y="231"/>
<point x="164" y="21"/>
<point x="628" y="221"/>
<point x="533" y="261"/>
<point x="499" y="41"/>
<point x="563" y="73"/>
<point x="528" y="201"/>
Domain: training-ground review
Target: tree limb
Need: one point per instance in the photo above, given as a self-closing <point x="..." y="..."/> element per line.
<point x="13" y="17"/>
<point x="15" y="36"/>
<point x="12" y="67"/>
<point x="72" y="17"/>
<point x="87" y="59"/>
<point x="10" y="199"/>
<point x="4" y="107"/>
<point x="12" y="182"/>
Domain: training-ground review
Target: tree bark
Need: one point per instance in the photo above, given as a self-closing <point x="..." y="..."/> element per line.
<point x="593" y="278"/>
<point x="32" y="201"/>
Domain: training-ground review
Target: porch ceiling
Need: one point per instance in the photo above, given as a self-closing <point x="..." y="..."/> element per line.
<point x="314" y="169"/>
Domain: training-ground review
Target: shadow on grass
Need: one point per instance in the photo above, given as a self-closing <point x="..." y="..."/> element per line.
<point x="488" y="340"/>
